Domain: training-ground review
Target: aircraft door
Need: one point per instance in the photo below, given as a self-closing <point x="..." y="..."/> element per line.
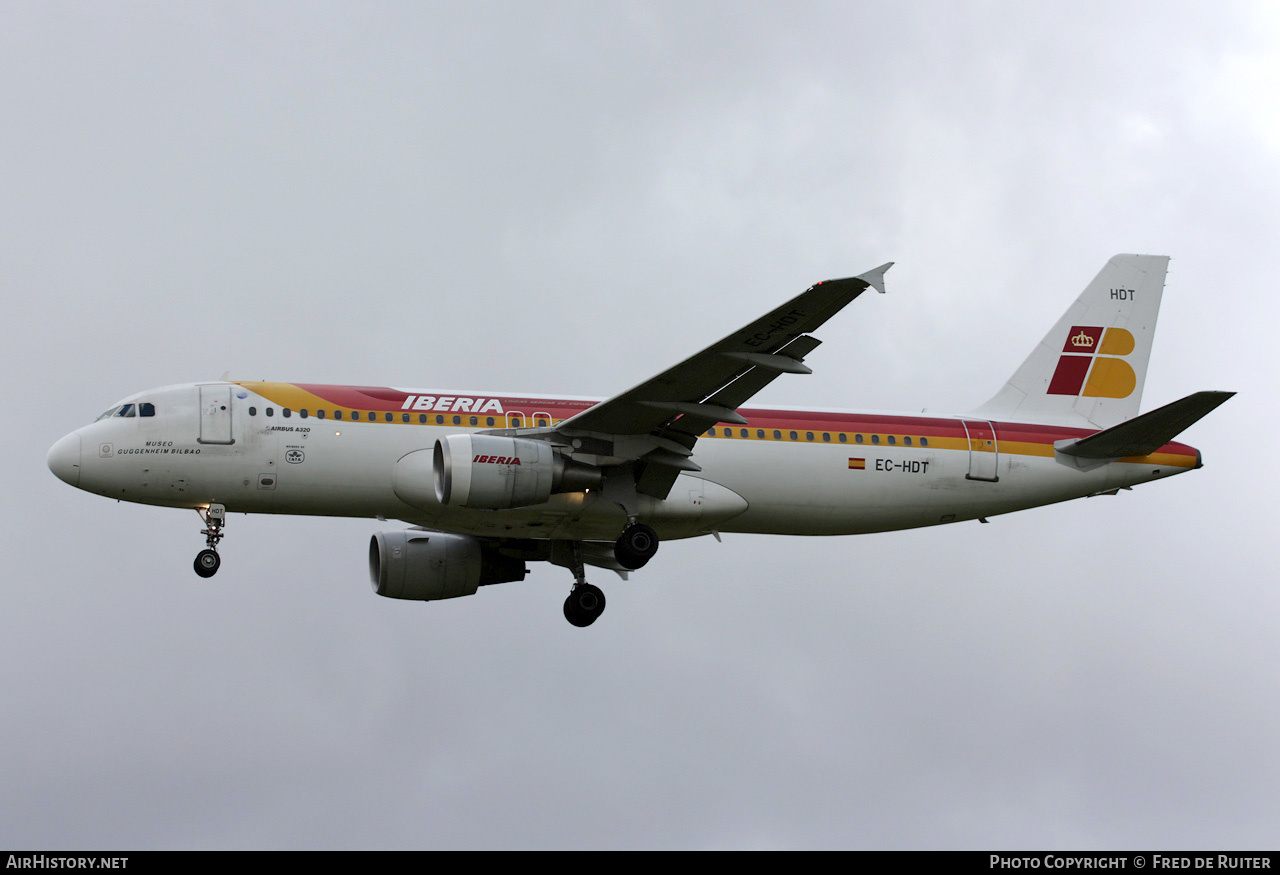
<point x="984" y="454"/>
<point x="215" y="415"/>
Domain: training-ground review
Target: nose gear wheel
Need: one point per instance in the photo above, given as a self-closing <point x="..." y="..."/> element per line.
<point x="207" y="560"/>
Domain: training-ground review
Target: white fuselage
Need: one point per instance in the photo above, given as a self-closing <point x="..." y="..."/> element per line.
<point x="835" y="481"/>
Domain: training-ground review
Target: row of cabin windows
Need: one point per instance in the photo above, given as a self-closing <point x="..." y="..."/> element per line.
<point x="372" y="416"/>
<point x="142" y="408"/>
<point x="841" y="437"/>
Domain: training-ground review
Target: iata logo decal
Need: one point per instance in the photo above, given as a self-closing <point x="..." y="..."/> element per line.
<point x="295" y="457"/>
<point x="497" y="460"/>
<point x="1095" y="353"/>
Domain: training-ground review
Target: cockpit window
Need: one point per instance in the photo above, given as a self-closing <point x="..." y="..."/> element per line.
<point x="126" y="410"/>
<point x="146" y="408"/>
<point x="110" y="413"/>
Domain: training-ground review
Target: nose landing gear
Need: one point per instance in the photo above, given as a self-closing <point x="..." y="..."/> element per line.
<point x="207" y="560"/>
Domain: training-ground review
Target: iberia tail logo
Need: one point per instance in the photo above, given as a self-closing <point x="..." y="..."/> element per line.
<point x="1092" y="364"/>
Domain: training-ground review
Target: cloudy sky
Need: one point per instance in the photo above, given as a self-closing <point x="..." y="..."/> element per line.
<point x="569" y="197"/>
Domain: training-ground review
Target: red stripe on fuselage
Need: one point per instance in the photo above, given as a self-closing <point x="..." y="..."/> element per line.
<point x="382" y="398"/>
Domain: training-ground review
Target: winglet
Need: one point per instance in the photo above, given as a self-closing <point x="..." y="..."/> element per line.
<point x="875" y="276"/>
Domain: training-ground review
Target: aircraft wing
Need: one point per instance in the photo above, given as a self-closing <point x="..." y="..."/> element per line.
<point x="683" y="401"/>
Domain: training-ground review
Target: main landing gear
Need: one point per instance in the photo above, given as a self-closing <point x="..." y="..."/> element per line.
<point x="585" y="602"/>
<point x="207" y="560"/>
<point x="635" y="546"/>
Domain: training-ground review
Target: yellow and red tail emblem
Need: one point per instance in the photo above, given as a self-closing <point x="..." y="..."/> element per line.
<point x="1096" y="354"/>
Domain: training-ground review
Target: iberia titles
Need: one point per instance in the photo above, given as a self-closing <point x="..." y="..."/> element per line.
<point x="449" y="403"/>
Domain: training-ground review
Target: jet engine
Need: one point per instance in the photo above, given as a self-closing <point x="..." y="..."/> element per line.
<point x="424" y="565"/>
<point x="494" y="472"/>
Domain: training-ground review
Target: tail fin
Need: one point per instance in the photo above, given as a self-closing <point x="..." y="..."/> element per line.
<point x="1089" y="369"/>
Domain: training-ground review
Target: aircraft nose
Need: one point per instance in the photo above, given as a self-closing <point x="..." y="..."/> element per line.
<point x="64" y="459"/>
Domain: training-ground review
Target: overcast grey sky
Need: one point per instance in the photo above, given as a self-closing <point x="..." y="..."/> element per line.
<point x="569" y="197"/>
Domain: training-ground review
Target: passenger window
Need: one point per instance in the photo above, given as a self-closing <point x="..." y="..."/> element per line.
<point x="515" y="421"/>
<point x="404" y="417"/>
<point x="906" y="441"/>
<point x="711" y="432"/>
<point x="777" y="435"/>
<point x="422" y="419"/>
<point x="794" y="436"/>
<point x="808" y="435"/>
<point x="760" y="433"/>
<point x="826" y="437"/>
<point x="303" y="413"/>
<point x="286" y="413"/>
<point x="742" y="432"/>
<point x="924" y="442"/>
<point x="439" y="419"/>
<point x="337" y="414"/>
<point x="844" y="438"/>
<point x="146" y="408"/>
<point x="892" y="440"/>
<point x="542" y="423"/>
<point x="355" y="415"/>
<point x="457" y="420"/>
<point x="320" y="414"/>
<point x="474" y="420"/>
<point x="390" y="418"/>
<point x="875" y="439"/>
<point x="488" y="420"/>
<point x="271" y="411"/>
<point x="253" y="411"/>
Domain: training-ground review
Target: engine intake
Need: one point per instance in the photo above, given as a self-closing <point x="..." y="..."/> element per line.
<point x="423" y="565"/>
<point x="493" y="472"/>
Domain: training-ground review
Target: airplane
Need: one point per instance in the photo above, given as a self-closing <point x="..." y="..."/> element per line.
<point x="490" y="481"/>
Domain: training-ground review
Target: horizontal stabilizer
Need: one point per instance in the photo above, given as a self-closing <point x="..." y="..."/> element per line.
<point x="1147" y="433"/>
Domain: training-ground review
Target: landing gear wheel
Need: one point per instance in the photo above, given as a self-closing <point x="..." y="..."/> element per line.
<point x="636" y="546"/>
<point x="584" y="605"/>
<point x="207" y="562"/>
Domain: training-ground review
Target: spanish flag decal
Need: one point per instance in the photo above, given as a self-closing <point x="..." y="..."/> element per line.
<point x="857" y="464"/>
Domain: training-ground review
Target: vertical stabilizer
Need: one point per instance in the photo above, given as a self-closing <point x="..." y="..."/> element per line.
<point x="1089" y="369"/>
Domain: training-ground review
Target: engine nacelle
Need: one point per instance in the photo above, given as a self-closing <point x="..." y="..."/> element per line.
<point x="423" y="565"/>
<point x="494" y="472"/>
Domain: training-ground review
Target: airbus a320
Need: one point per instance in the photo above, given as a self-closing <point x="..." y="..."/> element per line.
<point x="490" y="481"/>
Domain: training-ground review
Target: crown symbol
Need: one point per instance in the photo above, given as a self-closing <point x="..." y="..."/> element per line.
<point x="1082" y="339"/>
